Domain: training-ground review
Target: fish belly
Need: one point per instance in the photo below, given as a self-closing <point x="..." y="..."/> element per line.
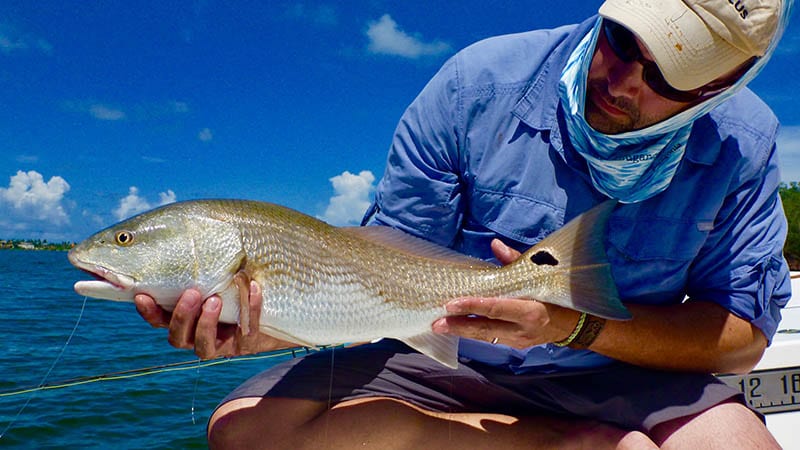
<point x="336" y="313"/>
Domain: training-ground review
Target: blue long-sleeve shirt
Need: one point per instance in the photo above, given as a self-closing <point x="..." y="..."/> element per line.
<point x="482" y="152"/>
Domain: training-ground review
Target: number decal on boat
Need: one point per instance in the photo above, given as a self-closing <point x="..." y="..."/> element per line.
<point x="769" y="391"/>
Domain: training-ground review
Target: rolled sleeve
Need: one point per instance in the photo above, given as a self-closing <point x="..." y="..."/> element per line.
<point x="420" y="192"/>
<point x="742" y="268"/>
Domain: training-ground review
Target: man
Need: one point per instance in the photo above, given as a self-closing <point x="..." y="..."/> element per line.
<point x="513" y="137"/>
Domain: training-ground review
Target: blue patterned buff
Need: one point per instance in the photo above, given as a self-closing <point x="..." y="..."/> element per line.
<point x="636" y="165"/>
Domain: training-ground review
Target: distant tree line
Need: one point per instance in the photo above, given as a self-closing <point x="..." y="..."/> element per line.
<point x="790" y="195"/>
<point x="34" y="244"/>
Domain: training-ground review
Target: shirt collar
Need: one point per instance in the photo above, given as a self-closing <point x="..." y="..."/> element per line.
<point x="538" y="106"/>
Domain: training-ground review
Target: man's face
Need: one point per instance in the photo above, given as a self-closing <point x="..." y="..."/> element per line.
<point x="617" y="97"/>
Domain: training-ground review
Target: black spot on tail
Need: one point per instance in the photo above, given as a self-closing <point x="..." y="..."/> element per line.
<point x="544" y="258"/>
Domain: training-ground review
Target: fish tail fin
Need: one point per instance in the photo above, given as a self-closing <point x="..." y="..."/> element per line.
<point x="575" y="257"/>
<point x="441" y="347"/>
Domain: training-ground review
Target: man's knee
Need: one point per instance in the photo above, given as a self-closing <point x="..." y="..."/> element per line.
<point x="221" y="432"/>
<point x="227" y="426"/>
<point x="716" y="427"/>
<point x="254" y="421"/>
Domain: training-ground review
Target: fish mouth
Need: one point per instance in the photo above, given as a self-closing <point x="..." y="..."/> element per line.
<point x="107" y="284"/>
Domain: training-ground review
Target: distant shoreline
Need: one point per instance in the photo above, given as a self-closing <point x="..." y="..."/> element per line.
<point x="34" y="245"/>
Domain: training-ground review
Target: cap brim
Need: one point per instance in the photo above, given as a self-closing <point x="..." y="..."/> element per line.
<point x="686" y="51"/>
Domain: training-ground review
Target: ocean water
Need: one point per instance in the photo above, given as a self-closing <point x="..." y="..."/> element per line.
<point x="140" y="409"/>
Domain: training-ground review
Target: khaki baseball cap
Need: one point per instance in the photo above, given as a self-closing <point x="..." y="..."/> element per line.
<point x="695" y="42"/>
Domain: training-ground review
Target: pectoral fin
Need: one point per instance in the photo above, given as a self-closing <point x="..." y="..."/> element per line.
<point x="441" y="347"/>
<point x="242" y="283"/>
<point x="230" y="304"/>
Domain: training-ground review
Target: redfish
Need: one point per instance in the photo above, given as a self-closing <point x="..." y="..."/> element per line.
<point x="327" y="285"/>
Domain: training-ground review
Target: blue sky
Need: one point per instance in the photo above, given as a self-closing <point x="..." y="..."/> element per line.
<point x="109" y="108"/>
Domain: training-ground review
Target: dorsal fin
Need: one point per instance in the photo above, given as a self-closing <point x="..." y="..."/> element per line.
<point x="405" y="243"/>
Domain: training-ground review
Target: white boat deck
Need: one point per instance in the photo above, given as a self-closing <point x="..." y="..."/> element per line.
<point x="785" y="353"/>
<point x="785" y="348"/>
<point x="774" y="385"/>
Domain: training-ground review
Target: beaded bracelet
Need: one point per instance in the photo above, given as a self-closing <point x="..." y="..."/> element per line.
<point x="591" y="329"/>
<point x="575" y="332"/>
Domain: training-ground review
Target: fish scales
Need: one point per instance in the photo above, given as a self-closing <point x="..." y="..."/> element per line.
<point x="342" y="259"/>
<point x="345" y="286"/>
<point x="322" y="284"/>
<point x="298" y="292"/>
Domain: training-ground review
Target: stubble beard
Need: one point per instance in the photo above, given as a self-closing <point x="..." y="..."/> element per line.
<point x="602" y="121"/>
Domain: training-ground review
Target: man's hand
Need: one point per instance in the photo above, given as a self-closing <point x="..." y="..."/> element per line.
<point x="696" y="335"/>
<point x="515" y="322"/>
<point x="195" y="324"/>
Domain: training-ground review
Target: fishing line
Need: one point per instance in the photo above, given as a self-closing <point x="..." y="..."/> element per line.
<point x="47" y="375"/>
<point x="196" y="364"/>
<point x="330" y="381"/>
<point x="194" y="394"/>
<point x="330" y="397"/>
<point x="147" y="371"/>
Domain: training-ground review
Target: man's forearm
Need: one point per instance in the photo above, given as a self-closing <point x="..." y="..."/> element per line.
<point x="694" y="336"/>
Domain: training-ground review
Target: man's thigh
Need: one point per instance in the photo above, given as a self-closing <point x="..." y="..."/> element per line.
<point x="630" y="397"/>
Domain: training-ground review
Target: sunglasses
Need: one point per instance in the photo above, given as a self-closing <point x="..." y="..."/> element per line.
<point x="623" y="44"/>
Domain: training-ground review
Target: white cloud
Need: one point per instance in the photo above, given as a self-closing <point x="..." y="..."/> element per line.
<point x="133" y="203"/>
<point x="28" y="198"/>
<point x="12" y="40"/>
<point x="351" y="200"/>
<point x="789" y="152"/>
<point x="179" y="107"/>
<point x="205" y="135"/>
<point x="136" y="112"/>
<point x="386" y="38"/>
<point x="105" y="112"/>
<point x="166" y="197"/>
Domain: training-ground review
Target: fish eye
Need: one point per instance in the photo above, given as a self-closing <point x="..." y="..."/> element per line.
<point x="124" y="238"/>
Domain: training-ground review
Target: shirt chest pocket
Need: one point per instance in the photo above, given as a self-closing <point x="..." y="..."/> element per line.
<point x="651" y="258"/>
<point x="656" y="238"/>
<point x="519" y="220"/>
